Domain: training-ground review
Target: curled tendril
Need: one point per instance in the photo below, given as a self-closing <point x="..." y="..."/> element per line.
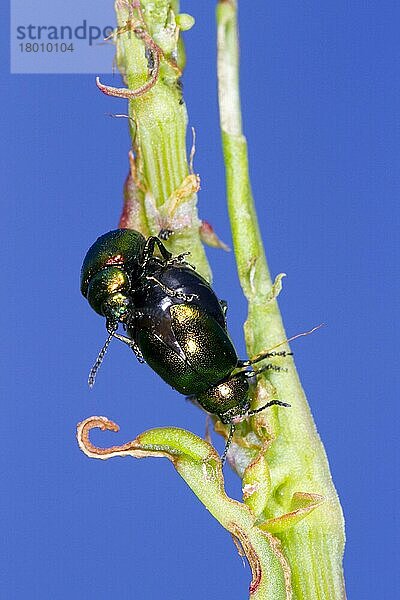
<point x="138" y="29"/>
<point x="126" y="92"/>
<point x="93" y="451"/>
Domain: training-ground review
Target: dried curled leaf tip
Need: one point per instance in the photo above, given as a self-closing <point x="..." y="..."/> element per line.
<point x="126" y="92"/>
<point x="82" y="435"/>
<point x="138" y="28"/>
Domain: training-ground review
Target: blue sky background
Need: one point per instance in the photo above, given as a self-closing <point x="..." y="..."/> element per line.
<point x="320" y="84"/>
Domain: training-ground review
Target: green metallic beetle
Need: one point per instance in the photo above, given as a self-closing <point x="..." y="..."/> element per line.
<point x="173" y="321"/>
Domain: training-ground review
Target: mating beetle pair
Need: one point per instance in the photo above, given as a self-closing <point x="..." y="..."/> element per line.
<point x="173" y="321"/>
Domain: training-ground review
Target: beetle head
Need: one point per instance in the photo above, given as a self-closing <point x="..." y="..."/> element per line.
<point x="108" y="293"/>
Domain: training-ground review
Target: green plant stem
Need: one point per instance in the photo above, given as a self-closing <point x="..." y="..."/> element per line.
<point x="158" y="123"/>
<point x="295" y="455"/>
<point x="198" y="464"/>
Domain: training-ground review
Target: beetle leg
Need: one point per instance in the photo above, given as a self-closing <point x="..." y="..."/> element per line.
<point x="261" y="356"/>
<point x="131" y="344"/>
<point x="271" y="351"/>
<point x="165" y="234"/>
<point x="268" y="367"/>
<point x="180" y="260"/>
<point x="271" y="403"/>
<point x="224" y="306"/>
<point x="171" y="292"/>
<point x="228" y="443"/>
<point x="148" y="251"/>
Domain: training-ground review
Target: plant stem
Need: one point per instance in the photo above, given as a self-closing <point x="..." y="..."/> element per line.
<point x="295" y="457"/>
<point x="158" y="123"/>
<point x="199" y="465"/>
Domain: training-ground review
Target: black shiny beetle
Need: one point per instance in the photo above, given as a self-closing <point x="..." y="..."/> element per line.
<point x="173" y="321"/>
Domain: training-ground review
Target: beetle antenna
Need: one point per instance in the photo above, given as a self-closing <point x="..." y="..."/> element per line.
<point x="228" y="443"/>
<point x="270" y="352"/>
<point x="294" y="337"/>
<point x="100" y="357"/>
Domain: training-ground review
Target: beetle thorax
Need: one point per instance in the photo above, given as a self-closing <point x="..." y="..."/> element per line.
<point x="227" y="399"/>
